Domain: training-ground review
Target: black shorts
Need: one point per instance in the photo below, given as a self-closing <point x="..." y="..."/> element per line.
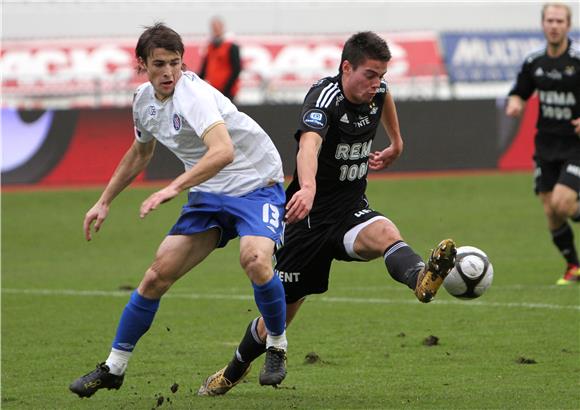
<point x="549" y="173"/>
<point x="304" y="259"/>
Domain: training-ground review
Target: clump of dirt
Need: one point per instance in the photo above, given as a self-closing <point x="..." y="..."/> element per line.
<point x="126" y="287"/>
<point x="174" y="387"/>
<point x="312" y="358"/>
<point x="431" y="341"/>
<point x="525" y="360"/>
<point x="402" y="334"/>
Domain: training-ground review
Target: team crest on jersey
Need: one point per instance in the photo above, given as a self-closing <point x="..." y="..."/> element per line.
<point x="176" y="122"/>
<point x="373" y="108"/>
<point x="315" y="119"/>
<point x="569" y="70"/>
<point x="152" y="110"/>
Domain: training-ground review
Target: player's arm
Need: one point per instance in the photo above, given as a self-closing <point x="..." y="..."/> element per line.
<point x="236" y="68"/>
<point x="382" y="159"/>
<point x="306" y="165"/>
<point x="220" y="153"/>
<point x="576" y="125"/>
<point x="133" y="162"/>
<point x="522" y="90"/>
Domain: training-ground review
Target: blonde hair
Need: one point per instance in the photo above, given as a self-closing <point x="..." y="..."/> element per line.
<point x="559" y="5"/>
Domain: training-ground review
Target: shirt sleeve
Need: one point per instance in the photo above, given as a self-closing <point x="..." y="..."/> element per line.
<point x="141" y="134"/>
<point x="198" y="106"/>
<point x="315" y="113"/>
<point x="524" y="86"/>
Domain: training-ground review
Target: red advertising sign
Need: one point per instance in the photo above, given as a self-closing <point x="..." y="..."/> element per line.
<point x="107" y="66"/>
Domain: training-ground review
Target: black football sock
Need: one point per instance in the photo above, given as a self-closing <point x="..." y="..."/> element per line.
<point x="563" y="238"/>
<point x="250" y="348"/>
<point x="403" y="263"/>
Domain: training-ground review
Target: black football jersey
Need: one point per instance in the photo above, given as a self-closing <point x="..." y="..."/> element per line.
<point x="347" y="131"/>
<point x="557" y="81"/>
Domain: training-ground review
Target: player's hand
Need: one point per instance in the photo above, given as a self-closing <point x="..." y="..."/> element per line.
<point x="382" y="159"/>
<point x="157" y="199"/>
<point x="97" y="213"/>
<point x="299" y="205"/>
<point x="514" y="107"/>
<point x="576" y="124"/>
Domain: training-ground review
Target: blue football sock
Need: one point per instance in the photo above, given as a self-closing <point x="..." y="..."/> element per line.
<point x="271" y="302"/>
<point x="135" y="321"/>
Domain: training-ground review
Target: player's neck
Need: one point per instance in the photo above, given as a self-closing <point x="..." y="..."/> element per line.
<point x="556" y="50"/>
<point x="161" y="98"/>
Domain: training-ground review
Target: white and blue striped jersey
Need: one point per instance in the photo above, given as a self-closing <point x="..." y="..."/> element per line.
<point x="181" y="122"/>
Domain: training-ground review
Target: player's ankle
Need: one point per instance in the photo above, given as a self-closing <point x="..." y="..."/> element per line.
<point x="279" y="341"/>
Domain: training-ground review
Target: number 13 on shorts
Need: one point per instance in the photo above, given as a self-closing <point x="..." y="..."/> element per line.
<point x="271" y="215"/>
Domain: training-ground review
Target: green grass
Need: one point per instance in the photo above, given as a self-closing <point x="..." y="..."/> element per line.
<point x="367" y="329"/>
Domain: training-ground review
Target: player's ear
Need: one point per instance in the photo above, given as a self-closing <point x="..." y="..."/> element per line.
<point x="346" y="66"/>
<point x="142" y="64"/>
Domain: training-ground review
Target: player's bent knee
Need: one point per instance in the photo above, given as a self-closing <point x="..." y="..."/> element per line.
<point x="155" y="283"/>
<point x="257" y="267"/>
<point x="563" y="207"/>
<point x="379" y="237"/>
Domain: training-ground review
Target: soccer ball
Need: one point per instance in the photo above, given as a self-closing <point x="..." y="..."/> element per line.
<point x="471" y="275"/>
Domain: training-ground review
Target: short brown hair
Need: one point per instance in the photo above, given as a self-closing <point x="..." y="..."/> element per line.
<point x="158" y="36"/>
<point x="560" y="5"/>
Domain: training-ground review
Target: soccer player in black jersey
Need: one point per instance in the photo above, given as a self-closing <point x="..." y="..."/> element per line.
<point x="328" y="216"/>
<point x="555" y="73"/>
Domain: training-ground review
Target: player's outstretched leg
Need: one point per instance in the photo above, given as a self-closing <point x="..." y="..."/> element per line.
<point x="100" y="378"/>
<point x="431" y="277"/>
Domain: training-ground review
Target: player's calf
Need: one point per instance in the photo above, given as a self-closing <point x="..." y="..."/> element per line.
<point x="441" y="261"/>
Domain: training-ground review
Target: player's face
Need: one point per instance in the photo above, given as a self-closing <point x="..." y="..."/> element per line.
<point x="361" y="84"/>
<point x="555" y="25"/>
<point x="164" y="70"/>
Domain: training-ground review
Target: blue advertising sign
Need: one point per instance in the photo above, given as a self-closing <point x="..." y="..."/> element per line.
<point x="489" y="56"/>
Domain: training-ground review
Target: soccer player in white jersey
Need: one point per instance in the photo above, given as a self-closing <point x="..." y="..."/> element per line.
<point x="234" y="176"/>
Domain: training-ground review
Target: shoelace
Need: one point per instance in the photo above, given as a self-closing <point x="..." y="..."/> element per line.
<point x="101" y="367"/>
<point x="275" y="360"/>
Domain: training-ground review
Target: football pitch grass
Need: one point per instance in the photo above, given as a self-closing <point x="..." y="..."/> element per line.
<point x="516" y="347"/>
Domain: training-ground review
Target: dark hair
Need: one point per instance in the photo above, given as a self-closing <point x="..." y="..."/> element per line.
<point x="158" y="36"/>
<point x="362" y="46"/>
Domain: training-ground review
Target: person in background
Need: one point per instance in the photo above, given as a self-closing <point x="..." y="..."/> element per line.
<point x="554" y="71"/>
<point x="221" y="65"/>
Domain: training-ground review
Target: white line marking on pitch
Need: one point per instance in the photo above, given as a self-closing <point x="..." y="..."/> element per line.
<point x="327" y="299"/>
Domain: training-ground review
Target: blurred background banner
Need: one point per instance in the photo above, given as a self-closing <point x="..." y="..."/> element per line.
<point x="489" y="56"/>
<point x="102" y="72"/>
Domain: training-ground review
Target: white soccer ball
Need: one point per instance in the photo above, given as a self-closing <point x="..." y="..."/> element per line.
<point x="471" y="275"/>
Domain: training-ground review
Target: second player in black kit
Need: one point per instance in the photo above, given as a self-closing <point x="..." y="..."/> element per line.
<point x="554" y="72"/>
<point x="328" y="216"/>
<point x="347" y="131"/>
